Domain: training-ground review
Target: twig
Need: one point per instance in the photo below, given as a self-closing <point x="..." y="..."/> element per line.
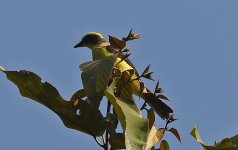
<point x="108" y="107"/>
<point x="143" y="106"/>
<point x="107" y="134"/>
<point x="169" y="120"/>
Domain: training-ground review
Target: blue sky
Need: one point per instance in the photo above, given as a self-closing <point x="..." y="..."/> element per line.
<point x="191" y="46"/>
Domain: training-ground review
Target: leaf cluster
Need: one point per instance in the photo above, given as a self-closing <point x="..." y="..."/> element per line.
<point x="82" y="112"/>
<point x="224" y="144"/>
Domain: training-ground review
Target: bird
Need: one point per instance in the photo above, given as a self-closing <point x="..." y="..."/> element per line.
<point x="101" y="48"/>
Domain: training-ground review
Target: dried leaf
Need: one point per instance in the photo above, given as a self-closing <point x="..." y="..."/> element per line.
<point x="151" y="117"/>
<point x="126" y="50"/>
<point x="142" y="87"/>
<point x="131" y="36"/>
<point x="116" y="43"/>
<point x="148" y="76"/>
<point x="159" y="90"/>
<point x="164" y="145"/>
<point x="176" y="133"/>
<point x="171" y="119"/>
<point x="162" y="97"/>
<point x="154" y="137"/>
<point x="124" y="58"/>
<point x="156" y="87"/>
<point x="146" y="70"/>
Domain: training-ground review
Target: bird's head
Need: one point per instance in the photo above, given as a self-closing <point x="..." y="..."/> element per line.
<point x="91" y="40"/>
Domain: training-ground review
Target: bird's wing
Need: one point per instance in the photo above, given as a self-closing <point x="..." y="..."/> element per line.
<point x="121" y="55"/>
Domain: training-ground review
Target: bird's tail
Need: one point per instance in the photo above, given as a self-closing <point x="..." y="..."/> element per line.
<point x="162" y="109"/>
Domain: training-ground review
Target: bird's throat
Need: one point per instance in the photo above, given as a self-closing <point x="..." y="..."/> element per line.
<point x="99" y="53"/>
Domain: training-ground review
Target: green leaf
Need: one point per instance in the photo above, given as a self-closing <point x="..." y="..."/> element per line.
<point x="134" y="126"/>
<point x="117" y="141"/>
<point x="175" y="133"/>
<point x="235" y="139"/>
<point x="224" y="144"/>
<point x="95" y="78"/>
<point x="31" y="86"/>
<point x="164" y="145"/>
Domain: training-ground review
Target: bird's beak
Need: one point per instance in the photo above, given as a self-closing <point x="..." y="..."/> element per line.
<point x="80" y="44"/>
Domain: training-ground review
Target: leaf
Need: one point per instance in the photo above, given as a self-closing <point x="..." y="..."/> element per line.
<point x="235" y="139"/>
<point x="162" y="97"/>
<point x="95" y="78"/>
<point x="31" y="86"/>
<point x="224" y="144"/>
<point x="124" y="58"/>
<point x="126" y="50"/>
<point x="154" y="137"/>
<point x="131" y="36"/>
<point x="176" y="133"/>
<point x="1" y="68"/>
<point x="158" y="89"/>
<point x="142" y="87"/>
<point x="171" y="119"/>
<point x="110" y="123"/>
<point x="196" y="135"/>
<point x="151" y="117"/>
<point x="124" y="89"/>
<point x="134" y="126"/>
<point x="148" y="76"/>
<point x="117" y="141"/>
<point x="164" y="145"/>
<point x="116" y="73"/>
<point x="146" y="70"/>
<point x="120" y="44"/>
<point x="78" y="95"/>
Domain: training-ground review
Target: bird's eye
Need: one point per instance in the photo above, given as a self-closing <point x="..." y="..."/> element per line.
<point x="91" y="39"/>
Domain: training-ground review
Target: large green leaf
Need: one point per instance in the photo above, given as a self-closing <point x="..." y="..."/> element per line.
<point x="224" y="144"/>
<point x="95" y="78"/>
<point x="134" y="126"/>
<point x="88" y="119"/>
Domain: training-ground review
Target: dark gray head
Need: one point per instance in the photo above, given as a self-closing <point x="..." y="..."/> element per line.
<point x="91" y="40"/>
